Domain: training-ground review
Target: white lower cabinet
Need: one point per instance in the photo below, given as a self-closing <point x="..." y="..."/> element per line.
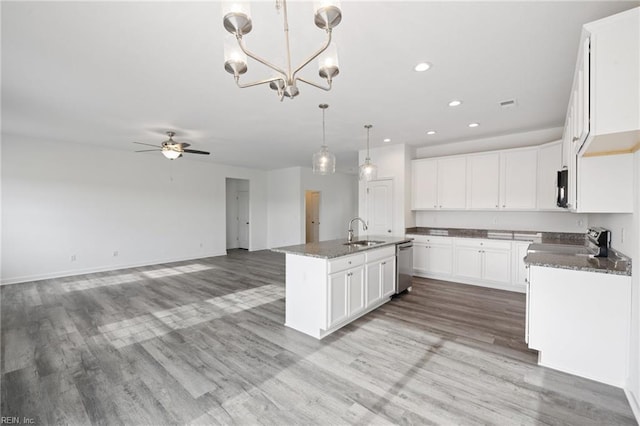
<point x="323" y="295"/>
<point x="484" y="262"/>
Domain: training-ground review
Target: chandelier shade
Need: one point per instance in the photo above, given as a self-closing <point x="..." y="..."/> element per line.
<point x="236" y="19"/>
<point x="368" y="170"/>
<point x="323" y="161"/>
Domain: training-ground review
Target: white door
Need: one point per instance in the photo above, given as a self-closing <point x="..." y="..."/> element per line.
<point x="468" y="262"/>
<point x="484" y="181"/>
<point x="497" y="265"/>
<point x="388" y="275"/>
<point x="380" y="207"/>
<point x="356" y="290"/>
<point x="337" y="309"/>
<point x="374" y="289"/>
<point x="312" y="213"/>
<point x="518" y="183"/>
<point x="424" y="184"/>
<point x="243" y="219"/>
<point x="440" y="259"/>
<point x="452" y="183"/>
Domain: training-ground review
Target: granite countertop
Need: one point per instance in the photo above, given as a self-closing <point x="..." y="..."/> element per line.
<point x="337" y="248"/>
<point x="616" y="263"/>
<point x="532" y="236"/>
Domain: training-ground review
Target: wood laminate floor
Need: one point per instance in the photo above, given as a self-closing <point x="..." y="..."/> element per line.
<point x="203" y="342"/>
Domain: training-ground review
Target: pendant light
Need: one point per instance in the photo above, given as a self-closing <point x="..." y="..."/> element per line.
<point x="368" y="170"/>
<point x="324" y="162"/>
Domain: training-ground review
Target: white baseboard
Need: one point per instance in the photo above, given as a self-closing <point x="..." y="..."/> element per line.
<point x="634" y="403"/>
<point x="74" y="272"/>
<point x="518" y="288"/>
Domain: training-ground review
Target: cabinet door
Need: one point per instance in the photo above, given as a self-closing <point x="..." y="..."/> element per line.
<point x="424" y="184"/>
<point x="518" y="183"/>
<point x="337" y="297"/>
<point x="521" y="275"/>
<point x="439" y="259"/>
<point x="420" y="257"/>
<point x="355" y="285"/>
<point x="452" y="183"/>
<point x="468" y="262"/>
<point x="496" y="265"/>
<point x="388" y="275"/>
<point x="374" y="284"/>
<point x="484" y="181"/>
<point x="549" y="162"/>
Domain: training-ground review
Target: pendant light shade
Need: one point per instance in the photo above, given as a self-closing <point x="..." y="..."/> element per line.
<point x="368" y="170"/>
<point x="324" y="162"/>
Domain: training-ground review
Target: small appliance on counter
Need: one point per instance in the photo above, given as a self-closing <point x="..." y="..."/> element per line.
<point x="601" y="238"/>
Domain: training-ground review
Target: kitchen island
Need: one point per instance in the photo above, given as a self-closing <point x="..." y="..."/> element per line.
<point x="331" y="283"/>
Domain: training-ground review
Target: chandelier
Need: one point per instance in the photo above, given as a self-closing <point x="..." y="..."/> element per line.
<point x="323" y="161"/>
<point x="368" y="170"/>
<point x="237" y="21"/>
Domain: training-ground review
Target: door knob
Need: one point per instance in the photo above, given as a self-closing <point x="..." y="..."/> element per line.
<point x="247" y="223"/>
<point x="389" y="230"/>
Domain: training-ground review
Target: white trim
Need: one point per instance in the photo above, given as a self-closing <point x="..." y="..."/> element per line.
<point x="634" y="403"/>
<point x="518" y="288"/>
<point x="74" y="272"/>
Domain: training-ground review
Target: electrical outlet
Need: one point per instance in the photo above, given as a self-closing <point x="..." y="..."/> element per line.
<point x="621" y="235"/>
<point x="580" y="223"/>
<point x="495" y="220"/>
<point x="115" y="253"/>
<point x="200" y="245"/>
<point x="73" y="257"/>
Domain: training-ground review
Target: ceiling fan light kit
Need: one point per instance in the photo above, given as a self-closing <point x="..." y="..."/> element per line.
<point x="323" y="161"/>
<point x="236" y="19"/>
<point x="368" y="170"/>
<point x="172" y="149"/>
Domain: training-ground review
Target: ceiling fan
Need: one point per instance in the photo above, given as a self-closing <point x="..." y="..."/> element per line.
<point x="172" y="149"/>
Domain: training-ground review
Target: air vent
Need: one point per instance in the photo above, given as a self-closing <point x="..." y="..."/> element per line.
<point x="508" y="103"/>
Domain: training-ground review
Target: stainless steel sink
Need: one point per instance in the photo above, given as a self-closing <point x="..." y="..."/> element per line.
<point x="363" y="243"/>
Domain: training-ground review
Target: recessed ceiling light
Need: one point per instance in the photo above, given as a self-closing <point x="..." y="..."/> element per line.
<point x="422" y="66"/>
<point x="474" y="124"/>
<point x="455" y="103"/>
<point x="386" y="140"/>
<point x="431" y="132"/>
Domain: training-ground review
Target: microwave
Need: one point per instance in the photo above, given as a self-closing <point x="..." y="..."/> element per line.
<point x="562" y="190"/>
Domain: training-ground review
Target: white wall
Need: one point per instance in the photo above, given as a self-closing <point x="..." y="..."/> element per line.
<point x="284" y="207"/>
<point x="513" y="140"/>
<point x="61" y="200"/>
<point x="515" y="221"/>
<point x="630" y="246"/>
<point x="338" y="202"/>
<point x="392" y="163"/>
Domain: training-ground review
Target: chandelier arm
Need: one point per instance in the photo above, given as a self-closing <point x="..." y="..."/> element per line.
<point x="311" y="83"/>
<point x="315" y="55"/>
<point x="259" y="59"/>
<point x="256" y="83"/>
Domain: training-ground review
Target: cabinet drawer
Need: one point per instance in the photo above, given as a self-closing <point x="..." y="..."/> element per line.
<point x="430" y="239"/>
<point x="481" y="243"/>
<point x="342" y="263"/>
<point x="380" y="253"/>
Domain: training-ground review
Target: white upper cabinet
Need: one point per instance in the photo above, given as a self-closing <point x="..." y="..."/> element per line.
<point x="518" y="168"/>
<point x="484" y="181"/>
<point x="549" y="162"/>
<point x="613" y="84"/>
<point x="439" y="183"/>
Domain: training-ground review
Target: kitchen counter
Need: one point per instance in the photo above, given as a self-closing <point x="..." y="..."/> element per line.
<point x="337" y="248"/>
<point x="533" y="236"/>
<point x="616" y="263"/>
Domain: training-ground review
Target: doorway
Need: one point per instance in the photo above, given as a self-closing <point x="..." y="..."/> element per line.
<point x="312" y="216"/>
<point x="238" y="204"/>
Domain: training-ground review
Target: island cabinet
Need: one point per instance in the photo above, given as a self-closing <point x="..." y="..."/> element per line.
<point x="323" y="295"/>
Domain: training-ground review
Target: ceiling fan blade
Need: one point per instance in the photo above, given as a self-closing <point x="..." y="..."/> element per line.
<point x="195" y="151"/>
<point x="148" y="150"/>
<point x="148" y="144"/>
<point x="182" y="145"/>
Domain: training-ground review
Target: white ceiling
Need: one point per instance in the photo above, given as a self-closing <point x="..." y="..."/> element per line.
<point x="109" y="73"/>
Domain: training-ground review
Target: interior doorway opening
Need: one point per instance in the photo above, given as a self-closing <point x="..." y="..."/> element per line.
<point x="312" y="216"/>
<point x="238" y="213"/>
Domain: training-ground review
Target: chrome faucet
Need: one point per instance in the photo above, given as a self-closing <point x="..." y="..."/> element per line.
<point x="350" y="230"/>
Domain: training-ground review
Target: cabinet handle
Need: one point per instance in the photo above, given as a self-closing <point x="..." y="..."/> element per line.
<point x="575" y="139"/>
<point x="440" y="206"/>
<point x="349" y="262"/>
<point x="384" y="263"/>
<point x="435" y="207"/>
<point x="497" y="206"/>
<point x="504" y="206"/>
<point x="526" y="280"/>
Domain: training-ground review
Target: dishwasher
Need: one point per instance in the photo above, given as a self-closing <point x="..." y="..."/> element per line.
<point x="404" y="266"/>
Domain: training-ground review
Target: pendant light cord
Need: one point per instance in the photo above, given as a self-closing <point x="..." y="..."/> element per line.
<point x="368" y="127"/>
